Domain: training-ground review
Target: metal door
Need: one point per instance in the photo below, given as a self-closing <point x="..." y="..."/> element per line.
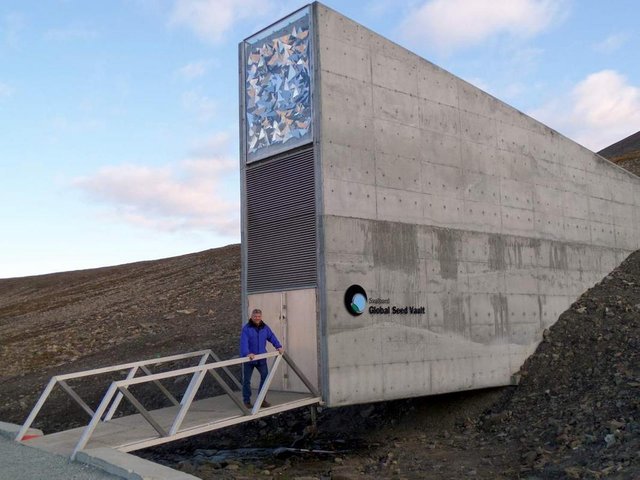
<point x="292" y="315"/>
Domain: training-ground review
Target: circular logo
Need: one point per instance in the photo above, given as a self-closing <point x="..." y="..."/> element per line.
<point x="355" y="299"/>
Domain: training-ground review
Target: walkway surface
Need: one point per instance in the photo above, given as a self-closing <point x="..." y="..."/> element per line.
<point x="133" y="432"/>
<point x="21" y="462"/>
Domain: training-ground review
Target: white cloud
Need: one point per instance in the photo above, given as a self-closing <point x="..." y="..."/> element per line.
<point x="194" y="194"/>
<point x="200" y="104"/>
<point x="193" y="70"/>
<point x="600" y="110"/>
<point x="612" y="43"/>
<point x="452" y="24"/>
<point x="210" y="20"/>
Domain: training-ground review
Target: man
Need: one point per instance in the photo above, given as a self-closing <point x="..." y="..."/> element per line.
<point x="253" y="341"/>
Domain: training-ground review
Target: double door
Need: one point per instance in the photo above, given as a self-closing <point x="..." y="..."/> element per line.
<point x="292" y="315"/>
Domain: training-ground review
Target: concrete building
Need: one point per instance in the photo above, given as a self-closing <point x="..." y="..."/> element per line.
<point x="404" y="232"/>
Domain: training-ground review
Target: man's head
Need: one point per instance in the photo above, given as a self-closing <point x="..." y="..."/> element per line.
<point x="256" y="316"/>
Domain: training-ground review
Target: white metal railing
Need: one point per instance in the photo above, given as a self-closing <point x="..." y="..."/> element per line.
<point x="132" y="367"/>
<point x="120" y="389"/>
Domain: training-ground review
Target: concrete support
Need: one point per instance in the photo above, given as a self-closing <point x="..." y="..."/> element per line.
<point x="129" y="466"/>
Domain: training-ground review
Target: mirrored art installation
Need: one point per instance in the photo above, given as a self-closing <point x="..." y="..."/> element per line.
<point x="278" y="88"/>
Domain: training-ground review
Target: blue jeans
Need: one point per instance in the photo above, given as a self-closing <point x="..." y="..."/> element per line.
<point x="247" y="370"/>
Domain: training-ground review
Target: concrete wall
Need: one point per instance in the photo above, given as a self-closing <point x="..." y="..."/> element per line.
<point x="437" y="194"/>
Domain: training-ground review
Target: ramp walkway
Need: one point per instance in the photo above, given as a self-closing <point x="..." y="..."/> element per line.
<point x="182" y="418"/>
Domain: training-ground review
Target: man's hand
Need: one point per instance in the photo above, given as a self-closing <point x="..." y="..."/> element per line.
<point x="281" y="350"/>
<point x="251" y="355"/>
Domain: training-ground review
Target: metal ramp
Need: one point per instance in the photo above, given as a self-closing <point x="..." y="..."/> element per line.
<point x="184" y="418"/>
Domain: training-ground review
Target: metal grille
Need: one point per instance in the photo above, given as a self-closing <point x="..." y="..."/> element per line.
<point x="281" y="223"/>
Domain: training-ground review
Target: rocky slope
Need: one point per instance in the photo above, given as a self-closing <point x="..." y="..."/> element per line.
<point x="72" y="321"/>
<point x="625" y="153"/>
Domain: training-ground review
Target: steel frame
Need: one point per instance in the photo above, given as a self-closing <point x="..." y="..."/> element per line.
<point x="120" y="389"/>
<point x="133" y="368"/>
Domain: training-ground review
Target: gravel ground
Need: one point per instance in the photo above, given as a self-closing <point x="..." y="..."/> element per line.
<point x="20" y="462"/>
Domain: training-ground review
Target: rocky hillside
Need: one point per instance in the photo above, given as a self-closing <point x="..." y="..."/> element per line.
<point x="71" y="321"/>
<point x="625" y="153"/>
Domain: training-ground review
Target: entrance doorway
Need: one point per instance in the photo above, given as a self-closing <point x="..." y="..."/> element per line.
<point x="292" y="317"/>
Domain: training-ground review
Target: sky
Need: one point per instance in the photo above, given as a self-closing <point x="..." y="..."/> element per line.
<point x="119" y="118"/>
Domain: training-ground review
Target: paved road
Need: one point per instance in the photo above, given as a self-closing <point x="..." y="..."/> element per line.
<point x="20" y="462"/>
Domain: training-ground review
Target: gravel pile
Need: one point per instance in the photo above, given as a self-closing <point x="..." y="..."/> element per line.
<point x="576" y="413"/>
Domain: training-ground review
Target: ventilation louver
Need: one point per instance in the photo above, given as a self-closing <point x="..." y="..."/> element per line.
<point x="281" y="223"/>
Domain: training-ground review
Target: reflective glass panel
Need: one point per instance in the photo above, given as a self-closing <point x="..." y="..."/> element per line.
<point x="278" y="87"/>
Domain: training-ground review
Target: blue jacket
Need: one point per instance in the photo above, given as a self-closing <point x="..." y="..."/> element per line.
<point x="253" y="339"/>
